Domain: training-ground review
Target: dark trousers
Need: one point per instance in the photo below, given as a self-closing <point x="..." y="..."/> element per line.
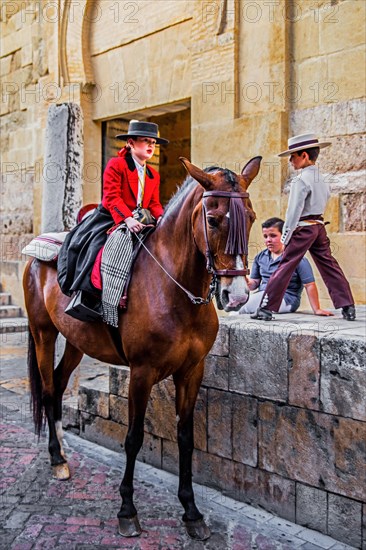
<point x="313" y="238"/>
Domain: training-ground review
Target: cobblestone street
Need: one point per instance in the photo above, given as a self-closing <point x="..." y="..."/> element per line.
<point x="39" y="512"/>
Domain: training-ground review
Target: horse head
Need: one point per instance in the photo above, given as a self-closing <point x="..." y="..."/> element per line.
<point x="221" y="223"/>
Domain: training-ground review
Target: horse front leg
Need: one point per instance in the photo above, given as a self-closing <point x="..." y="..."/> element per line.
<point x="186" y="395"/>
<point x="139" y="392"/>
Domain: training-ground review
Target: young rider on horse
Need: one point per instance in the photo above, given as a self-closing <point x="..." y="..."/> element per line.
<point x="130" y="198"/>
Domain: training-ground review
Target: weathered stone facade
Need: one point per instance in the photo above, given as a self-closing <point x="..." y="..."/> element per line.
<point x="241" y="75"/>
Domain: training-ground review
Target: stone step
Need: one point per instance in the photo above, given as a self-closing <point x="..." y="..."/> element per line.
<point x="5" y="298"/>
<point x="10" y="311"/>
<point x="15" y="324"/>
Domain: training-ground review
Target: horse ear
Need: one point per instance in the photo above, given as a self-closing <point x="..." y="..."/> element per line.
<point x="251" y="170"/>
<point x="206" y="180"/>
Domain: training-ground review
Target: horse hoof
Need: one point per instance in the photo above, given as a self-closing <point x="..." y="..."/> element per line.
<point x="61" y="472"/>
<point x="129" y="527"/>
<point x="197" y="529"/>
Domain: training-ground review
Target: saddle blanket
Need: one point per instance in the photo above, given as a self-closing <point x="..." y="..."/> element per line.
<point x="45" y="247"/>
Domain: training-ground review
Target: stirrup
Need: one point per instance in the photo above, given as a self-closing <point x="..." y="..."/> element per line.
<point x="84" y="307"/>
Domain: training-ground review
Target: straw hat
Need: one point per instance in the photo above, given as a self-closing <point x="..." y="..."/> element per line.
<point x="303" y="141"/>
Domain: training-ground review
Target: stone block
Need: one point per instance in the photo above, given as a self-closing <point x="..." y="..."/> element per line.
<point x="119" y="379"/>
<point x="345" y="520"/>
<point x="246" y="484"/>
<point x="71" y="414"/>
<point x="216" y="373"/>
<point x="341" y="27"/>
<point x="331" y="214"/>
<point x="259" y="370"/>
<point x="314" y="448"/>
<point x="345" y="250"/>
<point x="5" y="64"/>
<point x="219" y="423"/>
<point x="269" y="491"/>
<point x="304" y="373"/>
<point x="355" y="116"/>
<point x="345" y="155"/>
<point x="305" y="36"/>
<point x="353" y="208"/>
<point x="349" y="182"/>
<point x="161" y="417"/>
<point x="216" y="472"/>
<point x="101" y="431"/>
<point x="244" y="429"/>
<point x="200" y="420"/>
<point x="339" y="73"/>
<point x="343" y="377"/>
<point x="94" y="397"/>
<point x="310" y="83"/>
<point x="118" y="409"/>
<point x="311" y="507"/>
<point x="151" y="451"/>
<point x="26" y="55"/>
<point x="170" y="456"/>
<point x="364" y="526"/>
<point x="221" y="345"/>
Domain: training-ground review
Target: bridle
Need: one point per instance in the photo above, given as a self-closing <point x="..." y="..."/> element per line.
<point x="210" y="265"/>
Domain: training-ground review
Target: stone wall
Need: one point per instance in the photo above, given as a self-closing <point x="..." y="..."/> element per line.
<point x="280" y="420"/>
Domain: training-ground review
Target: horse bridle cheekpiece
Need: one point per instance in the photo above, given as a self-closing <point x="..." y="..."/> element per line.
<point x="237" y="241"/>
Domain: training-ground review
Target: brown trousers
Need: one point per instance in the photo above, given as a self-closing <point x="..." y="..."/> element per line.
<point x="313" y="238"/>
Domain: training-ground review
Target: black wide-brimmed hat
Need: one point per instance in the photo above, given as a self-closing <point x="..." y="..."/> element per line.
<point x="136" y="128"/>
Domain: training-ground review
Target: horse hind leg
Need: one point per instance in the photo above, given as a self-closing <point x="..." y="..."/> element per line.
<point x="41" y="351"/>
<point x="68" y="363"/>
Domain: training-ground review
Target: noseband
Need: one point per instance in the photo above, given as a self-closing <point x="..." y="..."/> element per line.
<point x="237" y="243"/>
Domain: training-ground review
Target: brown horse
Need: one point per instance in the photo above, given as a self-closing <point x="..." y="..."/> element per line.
<point x="168" y="328"/>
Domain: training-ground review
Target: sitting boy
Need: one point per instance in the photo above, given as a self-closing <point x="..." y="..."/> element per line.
<point x="267" y="262"/>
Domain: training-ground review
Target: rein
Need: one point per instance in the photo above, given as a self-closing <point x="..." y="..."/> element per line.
<point x="237" y="245"/>
<point x="237" y="242"/>
<point x="194" y="299"/>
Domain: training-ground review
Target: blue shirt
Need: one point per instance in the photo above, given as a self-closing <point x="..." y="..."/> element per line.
<point x="263" y="267"/>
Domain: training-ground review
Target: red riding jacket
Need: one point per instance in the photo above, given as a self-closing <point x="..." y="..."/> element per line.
<point x="120" y="188"/>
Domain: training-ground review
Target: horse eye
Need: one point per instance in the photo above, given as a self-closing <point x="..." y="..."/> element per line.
<point x="212" y="221"/>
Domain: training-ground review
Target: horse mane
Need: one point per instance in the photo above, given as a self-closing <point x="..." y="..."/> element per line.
<point x="189" y="183"/>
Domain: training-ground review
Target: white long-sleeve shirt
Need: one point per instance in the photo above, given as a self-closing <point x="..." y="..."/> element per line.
<point x="309" y="194"/>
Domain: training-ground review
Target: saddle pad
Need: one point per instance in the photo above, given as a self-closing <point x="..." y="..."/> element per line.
<point x="45" y="247"/>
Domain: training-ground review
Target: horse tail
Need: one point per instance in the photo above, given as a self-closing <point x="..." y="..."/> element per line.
<point x="35" y="383"/>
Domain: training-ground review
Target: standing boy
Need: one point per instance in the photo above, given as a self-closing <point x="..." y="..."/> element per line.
<point x="304" y="230"/>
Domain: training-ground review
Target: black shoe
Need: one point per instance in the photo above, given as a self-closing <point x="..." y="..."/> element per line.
<point x="349" y="312"/>
<point x="262" y="314"/>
